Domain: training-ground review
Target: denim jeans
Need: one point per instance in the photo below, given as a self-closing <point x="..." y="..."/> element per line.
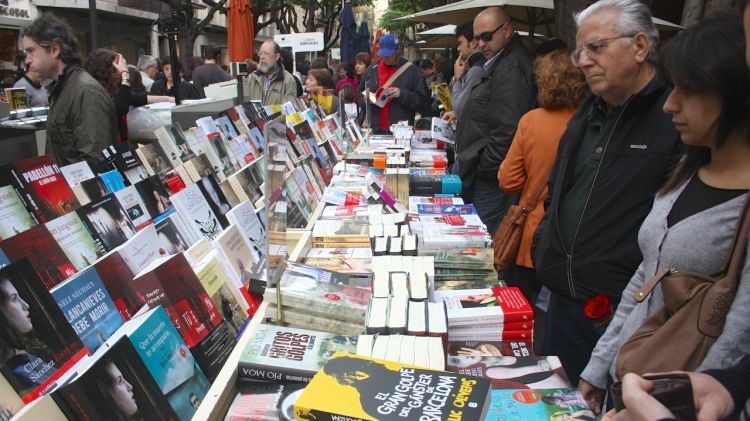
<point x="491" y="203"/>
<point x="570" y="335"/>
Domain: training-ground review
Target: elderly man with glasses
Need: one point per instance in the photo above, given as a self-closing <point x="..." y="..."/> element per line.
<point x="615" y="154"/>
<point x="489" y="119"/>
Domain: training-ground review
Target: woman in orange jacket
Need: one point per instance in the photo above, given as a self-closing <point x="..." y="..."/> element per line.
<point x="526" y="168"/>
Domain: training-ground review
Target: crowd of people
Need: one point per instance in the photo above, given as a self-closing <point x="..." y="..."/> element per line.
<point x="632" y="158"/>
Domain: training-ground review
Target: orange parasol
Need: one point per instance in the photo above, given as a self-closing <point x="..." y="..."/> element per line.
<point x="240" y="32"/>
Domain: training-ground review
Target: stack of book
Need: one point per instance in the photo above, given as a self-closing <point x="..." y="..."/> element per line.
<point x="420" y="351"/>
<point x="495" y="314"/>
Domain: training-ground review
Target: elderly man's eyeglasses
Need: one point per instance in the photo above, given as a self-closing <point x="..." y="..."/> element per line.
<point x="595" y="47"/>
<point x="487" y="36"/>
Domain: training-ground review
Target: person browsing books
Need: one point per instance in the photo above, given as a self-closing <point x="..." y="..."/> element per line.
<point x="404" y="97"/>
<point x="701" y="203"/>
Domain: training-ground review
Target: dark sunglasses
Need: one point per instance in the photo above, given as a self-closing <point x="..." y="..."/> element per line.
<point x="487" y="36"/>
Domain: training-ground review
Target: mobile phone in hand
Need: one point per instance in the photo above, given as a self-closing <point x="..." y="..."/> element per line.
<point x="673" y="390"/>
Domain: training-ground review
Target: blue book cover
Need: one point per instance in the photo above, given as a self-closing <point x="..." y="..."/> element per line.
<point x="432" y="209"/>
<point x="88" y="307"/>
<point x="4" y="261"/>
<point x="113" y="181"/>
<point x="542" y="404"/>
<point x="170" y="363"/>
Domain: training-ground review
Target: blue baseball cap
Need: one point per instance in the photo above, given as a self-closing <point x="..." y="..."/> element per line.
<point x="388" y="44"/>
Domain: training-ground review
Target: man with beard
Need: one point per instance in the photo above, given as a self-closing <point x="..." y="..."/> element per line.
<point x="270" y="84"/>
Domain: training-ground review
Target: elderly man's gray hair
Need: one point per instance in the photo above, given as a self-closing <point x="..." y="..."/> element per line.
<point x="145" y="61"/>
<point x="634" y="17"/>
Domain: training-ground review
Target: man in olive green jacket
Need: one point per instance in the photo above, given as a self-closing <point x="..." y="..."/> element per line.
<point x="270" y="84"/>
<point x="82" y="120"/>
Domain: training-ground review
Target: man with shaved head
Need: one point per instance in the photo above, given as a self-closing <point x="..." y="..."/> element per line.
<point x="490" y="117"/>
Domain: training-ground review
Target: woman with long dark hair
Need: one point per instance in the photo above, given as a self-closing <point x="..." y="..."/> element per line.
<point x="111" y="70"/>
<point x="694" y="216"/>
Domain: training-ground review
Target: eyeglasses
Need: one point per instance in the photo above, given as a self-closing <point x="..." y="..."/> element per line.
<point x="487" y="36"/>
<point x="595" y="47"/>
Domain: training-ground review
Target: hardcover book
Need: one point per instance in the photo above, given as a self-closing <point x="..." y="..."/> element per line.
<point x="41" y="346"/>
<point x="547" y="404"/>
<point x="193" y="208"/>
<point x="277" y="353"/>
<point x="170" y="363"/>
<point x="16" y="219"/>
<point x="74" y="240"/>
<point x="107" y="222"/>
<point x="364" y="388"/>
<point x="42" y="188"/>
<point x="48" y="260"/>
<point x="88" y="308"/>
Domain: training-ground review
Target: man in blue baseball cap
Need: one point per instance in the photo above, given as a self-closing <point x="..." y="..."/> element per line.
<point x="399" y="90"/>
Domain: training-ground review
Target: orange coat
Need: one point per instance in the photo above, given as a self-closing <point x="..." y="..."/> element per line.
<point x="528" y="164"/>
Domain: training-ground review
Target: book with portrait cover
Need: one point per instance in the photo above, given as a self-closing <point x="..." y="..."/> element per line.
<point x="74" y="239"/>
<point x="174" y="234"/>
<point x="198" y="215"/>
<point x="173" y="142"/>
<point x="42" y="187"/>
<point x="364" y="388"/>
<point x="510" y="372"/>
<point x="107" y="222"/>
<point x="544" y="404"/>
<point x="170" y="363"/>
<point x="88" y="308"/>
<point x="171" y="282"/>
<point x="215" y="198"/>
<point x="44" y="253"/>
<point x="154" y="196"/>
<point x="224" y="294"/>
<point x="39" y="345"/>
<point x="489" y="349"/>
<point x="278" y="353"/>
<point x="115" y="385"/>
<point x="14" y="216"/>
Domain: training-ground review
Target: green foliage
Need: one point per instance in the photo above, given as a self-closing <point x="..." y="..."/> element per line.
<point x="398" y="27"/>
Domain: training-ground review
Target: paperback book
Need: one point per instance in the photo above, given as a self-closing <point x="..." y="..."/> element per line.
<point x="547" y="404"/>
<point x="88" y="308"/>
<point x="277" y="353"/>
<point x="362" y="388"/>
<point x="509" y="372"/>
<point x="107" y="223"/>
<point x="41" y="345"/>
<point x="16" y="219"/>
<point x="199" y="216"/>
<point x="46" y="256"/>
<point x="42" y="187"/>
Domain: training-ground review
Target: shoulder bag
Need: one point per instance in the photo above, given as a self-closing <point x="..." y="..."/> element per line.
<point x="679" y="335"/>
<point x="507" y="238"/>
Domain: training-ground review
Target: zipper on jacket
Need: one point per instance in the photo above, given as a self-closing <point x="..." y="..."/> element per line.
<point x="569" y="254"/>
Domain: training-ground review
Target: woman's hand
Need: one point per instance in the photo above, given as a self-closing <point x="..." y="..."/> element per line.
<point x="120" y="64"/>
<point x="593" y="395"/>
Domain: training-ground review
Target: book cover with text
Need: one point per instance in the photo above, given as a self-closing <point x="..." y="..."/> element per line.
<point x="44" y="188"/>
<point x="45" y="254"/>
<point x="75" y="240"/>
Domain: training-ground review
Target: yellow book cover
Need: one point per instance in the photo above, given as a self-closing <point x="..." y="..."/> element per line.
<point x="364" y="388"/>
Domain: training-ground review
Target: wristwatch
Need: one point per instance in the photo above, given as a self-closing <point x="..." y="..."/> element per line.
<point x="125" y="76"/>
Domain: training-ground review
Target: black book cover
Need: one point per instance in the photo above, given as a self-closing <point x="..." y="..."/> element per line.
<point x="37" y="344"/>
<point x="107" y="222"/>
<point x="118" y="386"/>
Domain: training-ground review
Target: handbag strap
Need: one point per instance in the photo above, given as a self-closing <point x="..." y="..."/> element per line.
<point x="395" y="76"/>
<point x="739" y="244"/>
<point x="729" y="273"/>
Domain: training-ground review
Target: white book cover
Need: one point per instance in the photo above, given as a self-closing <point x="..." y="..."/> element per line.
<point x="172" y="139"/>
<point x="193" y="208"/>
<point x="14" y="216"/>
<point x="340" y="253"/>
<point x="75" y="173"/>
<point x="134" y="207"/>
<point x="247" y="221"/>
<point x="482" y="306"/>
<point x="74" y="239"/>
<point x="142" y="249"/>
<point x="238" y="258"/>
<point x="442" y="130"/>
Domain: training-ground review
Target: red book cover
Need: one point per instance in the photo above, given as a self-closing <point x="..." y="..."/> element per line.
<point x="118" y="279"/>
<point x="174" y="285"/>
<point x="514" y="304"/>
<point x="46" y="256"/>
<point x="489" y="349"/>
<point x="44" y="188"/>
<point x="509" y="372"/>
<point x="175" y="183"/>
